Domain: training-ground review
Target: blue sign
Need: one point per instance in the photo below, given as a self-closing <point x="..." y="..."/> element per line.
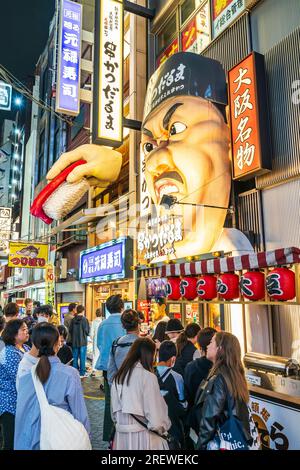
<point x="68" y="79"/>
<point x="103" y="262"/>
<point x="5" y="96"/>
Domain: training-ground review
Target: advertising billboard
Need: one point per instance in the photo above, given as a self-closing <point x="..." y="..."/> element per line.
<point x="27" y="255"/>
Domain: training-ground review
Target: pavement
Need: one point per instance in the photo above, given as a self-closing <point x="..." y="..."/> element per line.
<point x="94" y="399"/>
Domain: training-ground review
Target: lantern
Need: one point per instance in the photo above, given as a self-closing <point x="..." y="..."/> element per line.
<point x="207" y="287"/>
<point x="280" y="284"/>
<point x="252" y="285"/>
<point x="173" y="288"/>
<point x="228" y="286"/>
<point x="188" y="288"/>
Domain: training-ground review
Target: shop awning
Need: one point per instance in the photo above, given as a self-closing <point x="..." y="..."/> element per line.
<point x="263" y="259"/>
<point x="81" y="217"/>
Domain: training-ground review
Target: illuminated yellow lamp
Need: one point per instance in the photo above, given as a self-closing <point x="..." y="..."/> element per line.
<point x="216" y="254"/>
<point x="132" y="268"/>
<point x="189" y="258"/>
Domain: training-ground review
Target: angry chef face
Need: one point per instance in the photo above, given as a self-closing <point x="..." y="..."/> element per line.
<point x="186" y="146"/>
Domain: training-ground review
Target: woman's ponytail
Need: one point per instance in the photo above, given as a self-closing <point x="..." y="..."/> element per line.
<point x="44" y="338"/>
<point x="181" y="342"/>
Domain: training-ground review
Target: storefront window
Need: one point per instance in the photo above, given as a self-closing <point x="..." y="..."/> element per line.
<point x="166" y="35"/>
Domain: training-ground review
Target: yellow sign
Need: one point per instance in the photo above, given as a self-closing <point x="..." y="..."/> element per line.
<point x="49" y="285"/>
<point x="27" y="255"/>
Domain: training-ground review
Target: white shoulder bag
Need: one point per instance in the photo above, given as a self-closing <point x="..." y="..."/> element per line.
<point x="59" y="429"/>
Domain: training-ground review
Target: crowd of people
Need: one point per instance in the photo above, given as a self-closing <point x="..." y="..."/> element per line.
<point x="173" y="389"/>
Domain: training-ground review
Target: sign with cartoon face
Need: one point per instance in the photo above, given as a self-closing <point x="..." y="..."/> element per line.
<point x="185" y="151"/>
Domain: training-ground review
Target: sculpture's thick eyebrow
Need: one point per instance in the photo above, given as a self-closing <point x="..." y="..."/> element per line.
<point x="169" y="114"/>
<point x="147" y="132"/>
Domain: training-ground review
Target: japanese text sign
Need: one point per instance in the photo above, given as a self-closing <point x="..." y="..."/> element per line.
<point x="108" y="74"/>
<point x="49" y="285"/>
<point x="196" y="36"/>
<point x="27" y="255"/>
<point x="69" y="56"/>
<point x="104" y="262"/>
<point x="249" y="134"/>
<point x="5" y="96"/>
<point x="278" y="424"/>
<point x="224" y="12"/>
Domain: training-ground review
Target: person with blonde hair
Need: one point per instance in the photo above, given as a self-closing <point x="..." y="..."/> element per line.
<point x="225" y="396"/>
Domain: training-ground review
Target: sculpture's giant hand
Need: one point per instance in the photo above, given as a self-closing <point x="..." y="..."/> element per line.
<point x="102" y="165"/>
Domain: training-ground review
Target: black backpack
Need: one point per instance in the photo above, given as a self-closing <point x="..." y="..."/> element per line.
<point x="116" y="345"/>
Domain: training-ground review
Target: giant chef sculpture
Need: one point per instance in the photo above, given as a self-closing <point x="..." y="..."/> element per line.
<point x="185" y="141"/>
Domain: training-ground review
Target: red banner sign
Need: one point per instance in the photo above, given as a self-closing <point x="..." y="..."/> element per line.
<point x="172" y="49"/>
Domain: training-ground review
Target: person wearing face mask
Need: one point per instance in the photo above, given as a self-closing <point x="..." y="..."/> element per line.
<point x="44" y="313"/>
<point x="172" y="389"/>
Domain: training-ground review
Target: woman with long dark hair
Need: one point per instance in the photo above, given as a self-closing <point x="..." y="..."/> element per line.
<point x="226" y="384"/>
<point x="186" y="349"/>
<point x="14" y="335"/>
<point x="160" y="333"/>
<point x="61" y="384"/>
<point x="136" y="402"/>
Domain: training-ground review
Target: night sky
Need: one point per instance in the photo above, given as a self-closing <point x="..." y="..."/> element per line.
<point x="23" y="35"/>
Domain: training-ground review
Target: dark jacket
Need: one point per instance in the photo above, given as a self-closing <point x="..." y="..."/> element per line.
<point x="67" y="322"/>
<point x="213" y="411"/>
<point x="79" y="331"/>
<point x="185" y="357"/>
<point x="172" y="388"/>
<point x="195" y="372"/>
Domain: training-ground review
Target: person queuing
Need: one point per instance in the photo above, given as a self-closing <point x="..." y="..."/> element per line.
<point x="28" y="318"/>
<point x="110" y="329"/>
<point x="186" y="350"/>
<point x="93" y="335"/>
<point x="160" y="334"/>
<point x="67" y="320"/>
<point x="2" y="326"/>
<point x="197" y="370"/>
<point x="65" y="352"/>
<point x="79" y="330"/>
<point x="173" y="329"/>
<point x="61" y="384"/>
<point x="11" y="311"/>
<point x="121" y="346"/>
<point x="172" y="388"/>
<point x="36" y="305"/>
<point x="44" y="313"/>
<point x="139" y="411"/>
<point x="14" y="336"/>
<point x="226" y="383"/>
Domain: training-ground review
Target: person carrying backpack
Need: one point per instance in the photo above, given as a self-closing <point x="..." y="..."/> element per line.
<point x="120" y="347"/>
<point x="172" y="389"/>
<point x="51" y="411"/>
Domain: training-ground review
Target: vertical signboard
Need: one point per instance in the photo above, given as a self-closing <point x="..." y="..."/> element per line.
<point x="49" y="285"/>
<point x="5" y="96"/>
<point x="5" y="229"/>
<point x="108" y="73"/>
<point x="69" y="56"/>
<point x="249" y="127"/>
<point x="173" y="48"/>
<point x="224" y="12"/>
<point x="196" y="36"/>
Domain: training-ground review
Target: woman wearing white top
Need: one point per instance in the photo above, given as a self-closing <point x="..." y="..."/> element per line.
<point x="135" y="391"/>
<point x="93" y="335"/>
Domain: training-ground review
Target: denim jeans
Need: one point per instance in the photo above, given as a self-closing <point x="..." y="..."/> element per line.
<point x="79" y="353"/>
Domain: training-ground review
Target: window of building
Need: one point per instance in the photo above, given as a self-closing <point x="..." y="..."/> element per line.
<point x="167" y="34"/>
<point x="186" y="9"/>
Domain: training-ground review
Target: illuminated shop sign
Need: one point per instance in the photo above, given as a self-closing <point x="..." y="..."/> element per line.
<point x="69" y="56"/>
<point x="173" y="48"/>
<point x="108" y="261"/>
<point x="224" y="12"/>
<point x="108" y="74"/>
<point x="5" y="96"/>
<point x="27" y="255"/>
<point x="249" y="123"/>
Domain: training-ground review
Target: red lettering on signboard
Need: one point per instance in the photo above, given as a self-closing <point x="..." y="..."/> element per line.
<point x="172" y="49"/>
<point x="189" y="35"/>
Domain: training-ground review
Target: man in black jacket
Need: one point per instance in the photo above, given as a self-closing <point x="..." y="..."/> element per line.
<point x="198" y="370"/>
<point x="172" y="389"/>
<point x="79" y="331"/>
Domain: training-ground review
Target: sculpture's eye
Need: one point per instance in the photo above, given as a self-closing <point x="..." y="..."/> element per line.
<point x="148" y="147"/>
<point x="177" y="128"/>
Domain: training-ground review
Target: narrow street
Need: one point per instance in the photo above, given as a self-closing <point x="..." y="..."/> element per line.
<point x="94" y="398"/>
